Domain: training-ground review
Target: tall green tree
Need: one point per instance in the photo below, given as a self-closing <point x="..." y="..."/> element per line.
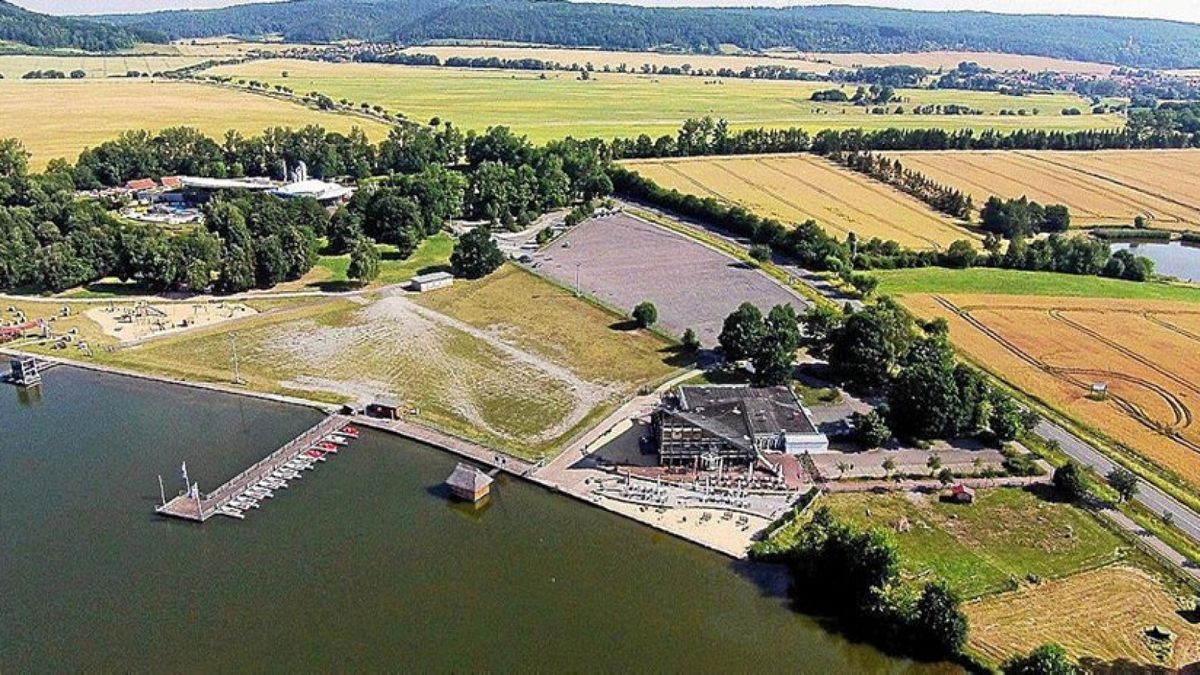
<point x="742" y="331"/>
<point x="364" y="261"/>
<point x="476" y="254"/>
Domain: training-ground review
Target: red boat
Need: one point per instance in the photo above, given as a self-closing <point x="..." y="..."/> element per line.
<point x="326" y="447"/>
<point x="348" y="431"/>
<point x="315" y="454"/>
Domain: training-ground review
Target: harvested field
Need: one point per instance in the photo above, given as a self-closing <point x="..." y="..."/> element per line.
<point x="13" y="66"/>
<point x="795" y="188"/>
<point x="61" y="118"/>
<point x="1107" y="187"/>
<point x="1056" y="349"/>
<point x="623" y="260"/>
<point x="982" y="548"/>
<point x="1098" y="616"/>
<point x="947" y="60"/>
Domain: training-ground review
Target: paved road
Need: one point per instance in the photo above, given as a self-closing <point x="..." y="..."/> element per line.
<point x="1153" y="498"/>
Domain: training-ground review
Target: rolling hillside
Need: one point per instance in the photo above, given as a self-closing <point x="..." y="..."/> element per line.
<point x="40" y="30"/>
<point x="1129" y="42"/>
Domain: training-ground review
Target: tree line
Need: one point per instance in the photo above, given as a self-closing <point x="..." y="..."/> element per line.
<point x="427" y="175"/>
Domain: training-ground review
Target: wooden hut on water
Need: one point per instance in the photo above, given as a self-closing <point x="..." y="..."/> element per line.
<point x="468" y="483"/>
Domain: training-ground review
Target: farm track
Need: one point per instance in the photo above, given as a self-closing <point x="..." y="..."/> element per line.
<point x="692" y="181"/>
<point x="1155" y="319"/>
<point x="1182" y="414"/>
<point x="868" y="216"/>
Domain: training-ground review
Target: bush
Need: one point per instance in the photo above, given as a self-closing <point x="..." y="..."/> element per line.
<point x="645" y="314"/>
<point x="690" y="341"/>
<point x="1068" y="481"/>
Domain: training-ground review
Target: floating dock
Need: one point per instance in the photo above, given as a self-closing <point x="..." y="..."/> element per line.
<point x="199" y="508"/>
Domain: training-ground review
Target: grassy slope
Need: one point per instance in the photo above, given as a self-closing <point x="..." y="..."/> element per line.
<point x="434" y="252"/>
<point x="625" y="105"/>
<point x="1015" y="282"/>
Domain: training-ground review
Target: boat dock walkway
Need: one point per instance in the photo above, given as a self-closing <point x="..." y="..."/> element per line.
<point x="200" y="508"/>
<point x="454" y="444"/>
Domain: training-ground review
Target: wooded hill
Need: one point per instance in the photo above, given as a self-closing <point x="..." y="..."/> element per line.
<point x="40" y="30"/>
<point x="1130" y="42"/>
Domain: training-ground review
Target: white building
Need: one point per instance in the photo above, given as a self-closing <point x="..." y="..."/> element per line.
<point x="431" y="281"/>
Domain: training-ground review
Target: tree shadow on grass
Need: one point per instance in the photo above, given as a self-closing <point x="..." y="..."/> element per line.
<point x="333" y="286"/>
<point x="624" y="326"/>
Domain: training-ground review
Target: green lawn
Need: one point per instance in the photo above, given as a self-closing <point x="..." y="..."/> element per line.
<point x="982" y="548"/>
<point x="433" y="253"/>
<point x="557" y="104"/>
<point x="1016" y="282"/>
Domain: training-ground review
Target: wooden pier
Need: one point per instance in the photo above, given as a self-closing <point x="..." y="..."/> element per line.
<point x="200" y="508"/>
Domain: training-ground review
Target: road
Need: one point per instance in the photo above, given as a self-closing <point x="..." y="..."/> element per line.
<point x="1185" y="519"/>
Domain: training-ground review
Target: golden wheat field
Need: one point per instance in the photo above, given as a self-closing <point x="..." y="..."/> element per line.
<point x="1056" y="348"/>
<point x="1099" y="616"/>
<point x="795" y="188"/>
<point x="1106" y="187"/>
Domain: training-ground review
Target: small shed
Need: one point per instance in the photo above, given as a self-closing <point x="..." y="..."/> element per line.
<point x="387" y="407"/>
<point x="961" y="494"/>
<point x="468" y="483"/>
<point x="25" y="371"/>
<point x="431" y="281"/>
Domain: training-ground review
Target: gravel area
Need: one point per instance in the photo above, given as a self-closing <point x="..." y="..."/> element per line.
<point x="623" y="260"/>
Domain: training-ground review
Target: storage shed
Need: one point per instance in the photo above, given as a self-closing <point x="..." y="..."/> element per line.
<point x="431" y="281"/>
<point x="468" y="483"/>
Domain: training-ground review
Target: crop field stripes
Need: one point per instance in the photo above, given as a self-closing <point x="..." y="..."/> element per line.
<point x="691" y="181"/>
<point x="1183" y="416"/>
<point x="1049" y="178"/>
<point x="1115" y="181"/>
<point x="773" y="194"/>
<point x="882" y="189"/>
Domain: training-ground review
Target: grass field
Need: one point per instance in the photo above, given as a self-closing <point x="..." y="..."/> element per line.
<point x="61" y="118"/>
<point x="794" y="188"/>
<point x="1099" y="615"/>
<point x="983" y="548"/>
<point x="1056" y="349"/>
<point x="807" y="61"/>
<point x="511" y="361"/>
<point x="12" y="67"/>
<point x="983" y="280"/>
<point x="1101" y="188"/>
<point x="611" y="105"/>
<point x="330" y="271"/>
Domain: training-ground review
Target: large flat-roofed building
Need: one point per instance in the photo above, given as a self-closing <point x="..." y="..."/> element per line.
<point x="707" y="426"/>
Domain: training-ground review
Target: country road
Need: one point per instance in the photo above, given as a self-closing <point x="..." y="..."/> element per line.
<point x="1187" y="520"/>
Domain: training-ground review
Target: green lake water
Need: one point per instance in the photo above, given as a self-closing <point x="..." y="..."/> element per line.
<point x="362" y="565"/>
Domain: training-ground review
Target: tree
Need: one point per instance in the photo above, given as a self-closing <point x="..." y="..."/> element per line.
<point x="760" y="252"/>
<point x="741" y="333"/>
<point x="1124" y="482"/>
<point x="775" y="352"/>
<point x="1068" y="481"/>
<point x="392" y="218"/>
<point x="939" y="621"/>
<point x="870" y="429"/>
<point x="645" y="314"/>
<point x="961" y="254"/>
<point x="934" y="463"/>
<point x="945" y="476"/>
<point x="889" y="466"/>
<point x="345" y="228"/>
<point x="1049" y="659"/>
<point x="865" y="350"/>
<point x="476" y="254"/>
<point x="364" y="261"/>
<point x="924" y="398"/>
<point x="691" y="342"/>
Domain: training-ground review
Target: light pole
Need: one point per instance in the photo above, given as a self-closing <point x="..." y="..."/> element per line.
<point x="237" y="377"/>
<point x="578" y="294"/>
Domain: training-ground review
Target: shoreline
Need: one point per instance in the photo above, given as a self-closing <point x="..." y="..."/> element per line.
<point x="443" y="442"/>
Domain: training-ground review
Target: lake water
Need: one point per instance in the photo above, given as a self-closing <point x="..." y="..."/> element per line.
<point x="1174" y="259"/>
<point x="362" y="565"/>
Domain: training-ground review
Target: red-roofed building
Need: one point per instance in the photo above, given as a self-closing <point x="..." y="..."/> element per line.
<point x="962" y="494"/>
<point x="141" y="185"/>
<point x="172" y="182"/>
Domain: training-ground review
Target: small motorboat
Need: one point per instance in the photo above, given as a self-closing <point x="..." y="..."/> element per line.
<point x="256" y="493"/>
<point x="244" y="503"/>
<point x="326" y="447"/>
<point x="315" y="454"/>
<point x="348" y="431"/>
<point x="231" y="512"/>
<point x="336" y="440"/>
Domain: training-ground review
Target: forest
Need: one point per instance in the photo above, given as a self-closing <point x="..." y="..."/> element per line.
<point x="1128" y="42"/>
<point x="40" y="30"/>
